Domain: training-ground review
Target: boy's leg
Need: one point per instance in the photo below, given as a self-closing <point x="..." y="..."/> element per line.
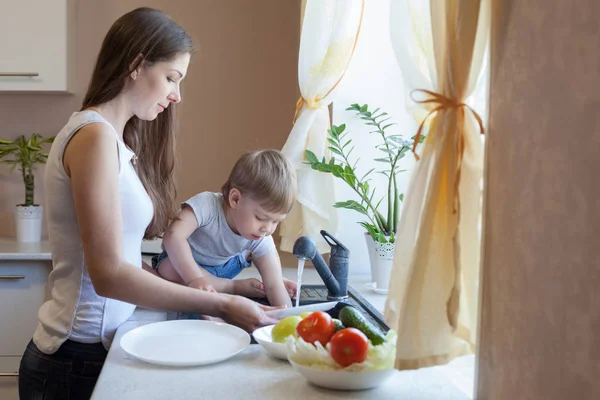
<point x="235" y="265"/>
<point x="165" y="268"/>
<point x="250" y="287"/>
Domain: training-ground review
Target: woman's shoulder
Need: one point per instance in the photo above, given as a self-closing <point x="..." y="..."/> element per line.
<point x="94" y="136"/>
<point x="86" y="130"/>
<point x="86" y="120"/>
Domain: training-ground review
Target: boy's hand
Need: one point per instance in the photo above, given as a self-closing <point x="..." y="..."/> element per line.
<point x="291" y="287"/>
<point x="201" y="284"/>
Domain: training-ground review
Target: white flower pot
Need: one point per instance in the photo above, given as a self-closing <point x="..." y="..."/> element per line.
<point x="28" y="220"/>
<point x="381" y="256"/>
<point x="371" y="250"/>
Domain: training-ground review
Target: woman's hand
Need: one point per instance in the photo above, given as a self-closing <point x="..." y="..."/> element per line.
<point x="247" y="314"/>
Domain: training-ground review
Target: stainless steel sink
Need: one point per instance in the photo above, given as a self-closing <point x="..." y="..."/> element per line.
<point x="311" y="294"/>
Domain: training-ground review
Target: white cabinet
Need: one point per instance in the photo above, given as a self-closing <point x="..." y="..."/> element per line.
<point x="33" y="45"/>
<point x="22" y="292"/>
<point x="9" y="381"/>
<point x="24" y="270"/>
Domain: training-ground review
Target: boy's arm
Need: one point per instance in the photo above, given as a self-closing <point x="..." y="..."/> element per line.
<point x="179" y="251"/>
<point x="269" y="267"/>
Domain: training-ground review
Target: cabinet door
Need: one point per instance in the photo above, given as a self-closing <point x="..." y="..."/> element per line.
<point x="33" y="45"/>
<point x="9" y="379"/>
<point x="22" y="292"/>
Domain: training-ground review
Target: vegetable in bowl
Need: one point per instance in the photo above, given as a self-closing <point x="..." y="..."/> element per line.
<point x="349" y="349"/>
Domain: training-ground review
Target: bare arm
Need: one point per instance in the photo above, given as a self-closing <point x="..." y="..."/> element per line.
<point x="269" y="267"/>
<point x="91" y="160"/>
<point x="177" y="247"/>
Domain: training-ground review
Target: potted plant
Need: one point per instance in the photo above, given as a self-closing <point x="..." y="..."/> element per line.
<point x="380" y="226"/>
<point x="25" y="154"/>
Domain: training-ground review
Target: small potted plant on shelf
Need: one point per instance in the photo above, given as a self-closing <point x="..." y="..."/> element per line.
<point x="24" y="154"/>
<point x="380" y="226"/>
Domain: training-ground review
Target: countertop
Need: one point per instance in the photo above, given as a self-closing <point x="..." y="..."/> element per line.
<point x="252" y="374"/>
<point x="10" y="249"/>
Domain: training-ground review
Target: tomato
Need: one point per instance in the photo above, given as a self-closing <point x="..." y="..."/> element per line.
<point x="349" y="346"/>
<point x="317" y="327"/>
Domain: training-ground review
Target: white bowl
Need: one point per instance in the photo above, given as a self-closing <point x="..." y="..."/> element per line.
<point x="343" y="380"/>
<point x="263" y="337"/>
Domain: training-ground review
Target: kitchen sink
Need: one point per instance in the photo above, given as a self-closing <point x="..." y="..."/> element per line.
<point x="312" y="294"/>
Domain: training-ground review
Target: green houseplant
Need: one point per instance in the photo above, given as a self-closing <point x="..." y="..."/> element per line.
<point x="380" y="225"/>
<point x="24" y="153"/>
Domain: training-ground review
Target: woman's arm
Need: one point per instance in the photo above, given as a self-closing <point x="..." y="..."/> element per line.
<point x="91" y="160"/>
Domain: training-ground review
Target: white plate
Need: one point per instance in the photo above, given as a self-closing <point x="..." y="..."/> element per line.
<point x="185" y="343"/>
<point x="286" y="312"/>
<point x="264" y="338"/>
<point x="343" y="380"/>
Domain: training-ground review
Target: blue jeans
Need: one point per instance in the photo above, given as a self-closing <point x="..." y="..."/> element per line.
<point x="70" y="373"/>
<point x="229" y="270"/>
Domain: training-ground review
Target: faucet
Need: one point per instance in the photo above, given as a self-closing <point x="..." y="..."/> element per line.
<point x="335" y="276"/>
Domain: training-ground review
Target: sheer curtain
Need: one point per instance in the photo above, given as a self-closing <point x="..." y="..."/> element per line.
<point x="440" y="47"/>
<point x="330" y="30"/>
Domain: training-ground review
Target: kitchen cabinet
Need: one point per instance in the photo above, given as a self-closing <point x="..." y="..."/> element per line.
<point x="33" y="45"/>
<point x="24" y="270"/>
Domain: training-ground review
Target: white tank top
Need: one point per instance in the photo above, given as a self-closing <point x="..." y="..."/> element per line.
<point x="75" y="311"/>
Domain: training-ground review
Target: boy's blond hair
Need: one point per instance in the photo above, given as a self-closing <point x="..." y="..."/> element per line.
<point x="267" y="177"/>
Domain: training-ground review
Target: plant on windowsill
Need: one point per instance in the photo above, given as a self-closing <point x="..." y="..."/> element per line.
<point x="381" y="227"/>
<point x="24" y="154"/>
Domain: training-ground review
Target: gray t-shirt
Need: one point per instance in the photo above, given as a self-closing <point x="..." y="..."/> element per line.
<point x="214" y="243"/>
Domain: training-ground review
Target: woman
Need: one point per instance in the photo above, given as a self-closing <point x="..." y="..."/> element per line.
<point x="109" y="183"/>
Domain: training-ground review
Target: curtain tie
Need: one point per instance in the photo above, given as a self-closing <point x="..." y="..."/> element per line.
<point x="314" y="104"/>
<point x="441" y="102"/>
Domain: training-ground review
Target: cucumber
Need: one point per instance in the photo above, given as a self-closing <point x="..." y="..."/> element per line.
<point x="351" y="317"/>
<point x="338" y="324"/>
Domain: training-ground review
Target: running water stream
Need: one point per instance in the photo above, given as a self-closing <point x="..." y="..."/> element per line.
<point x="299" y="280"/>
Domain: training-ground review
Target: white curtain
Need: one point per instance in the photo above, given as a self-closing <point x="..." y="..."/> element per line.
<point x="440" y="46"/>
<point x="330" y="30"/>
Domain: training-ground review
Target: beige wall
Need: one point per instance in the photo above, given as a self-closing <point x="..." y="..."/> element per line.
<point x="239" y="95"/>
<point x="540" y="325"/>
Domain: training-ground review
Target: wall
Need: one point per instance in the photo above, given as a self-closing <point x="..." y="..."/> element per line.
<point x="540" y="322"/>
<point x="239" y="94"/>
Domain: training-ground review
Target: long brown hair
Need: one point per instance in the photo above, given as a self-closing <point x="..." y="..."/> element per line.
<point x="156" y="37"/>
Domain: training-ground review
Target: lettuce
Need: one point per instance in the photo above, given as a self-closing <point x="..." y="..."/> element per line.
<point x="316" y="356"/>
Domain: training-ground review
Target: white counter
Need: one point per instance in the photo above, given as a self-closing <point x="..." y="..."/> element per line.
<point x="10" y="249"/>
<point x="252" y="374"/>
